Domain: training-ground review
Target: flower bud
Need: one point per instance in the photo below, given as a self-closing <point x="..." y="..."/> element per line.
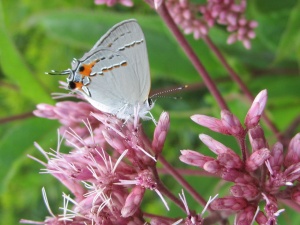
<point x="247" y="191"/>
<point x="293" y="154"/>
<point x="194" y="158"/>
<point x="229" y="203"/>
<point x="160" y="133"/>
<point x="256" y="159"/>
<point x="276" y="158"/>
<point x="212" y="123"/>
<point x="232" y="123"/>
<point x="133" y="201"/>
<point x="212" y="167"/>
<point x="246" y="216"/>
<point x="257" y="138"/>
<point x="253" y="116"/>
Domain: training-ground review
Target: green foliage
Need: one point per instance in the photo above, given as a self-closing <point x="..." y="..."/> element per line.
<point x="38" y="36"/>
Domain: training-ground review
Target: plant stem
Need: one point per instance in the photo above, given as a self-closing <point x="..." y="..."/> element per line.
<point x="181" y="180"/>
<point x="16" y="117"/>
<point x="163" y="12"/>
<point x="241" y="84"/>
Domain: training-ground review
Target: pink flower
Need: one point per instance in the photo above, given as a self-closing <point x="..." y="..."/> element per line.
<point x="256" y="109"/>
<point x="107" y="176"/>
<point x="184" y="14"/>
<point x="71" y="115"/>
<point x="257" y="138"/>
<point x="211" y="123"/>
<point x="247" y="191"/>
<point x="194" y="158"/>
<point x="276" y="158"/>
<point x="133" y="201"/>
<point x="160" y="133"/>
<point x="227" y="13"/>
<point x="257" y="159"/>
<point x="232" y="123"/>
<point x="229" y="203"/>
<point x="293" y="154"/>
<point x="246" y="216"/>
<point x="258" y="175"/>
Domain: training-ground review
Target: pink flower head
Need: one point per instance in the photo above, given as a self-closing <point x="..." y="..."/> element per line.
<point x="227" y="13"/>
<point x="125" y="137"/>
<point x="67" y="112"/>
<point x="184" y="14"/>
<point x="72" y="116"/>
<point x="258" y="174"/>
<point x="104" y="198"/>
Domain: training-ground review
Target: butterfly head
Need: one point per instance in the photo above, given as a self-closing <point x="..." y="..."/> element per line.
<point x="76" y="80"/>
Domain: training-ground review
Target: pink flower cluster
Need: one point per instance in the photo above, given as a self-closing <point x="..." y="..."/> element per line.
<point x="112" y="164"/>
<point x="197" y="19"/>
<point x="185" y="15"/>
<point x="108" y="170"/>
<point x="71" y="115"/>
<point x="223" y="12"/>
<point x="262" y="174"/>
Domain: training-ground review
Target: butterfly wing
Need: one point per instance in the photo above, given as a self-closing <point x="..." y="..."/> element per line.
<point x="127" y="38"/>
<point x="120" y="77"/>
<point x="114" y="85"/>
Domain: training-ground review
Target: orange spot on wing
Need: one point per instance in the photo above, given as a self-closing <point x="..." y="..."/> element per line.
<point x="78" y="85"/>
<point x="86" y="69"/>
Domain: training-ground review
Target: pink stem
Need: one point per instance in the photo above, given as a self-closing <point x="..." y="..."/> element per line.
<point x="181" y="180"/>
<point x="240" y="83"/>
<point x="16" y="117"/>
<point x="163" y="12"/>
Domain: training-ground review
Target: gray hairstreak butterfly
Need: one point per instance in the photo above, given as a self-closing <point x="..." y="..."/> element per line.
<point x="114" y="75"/>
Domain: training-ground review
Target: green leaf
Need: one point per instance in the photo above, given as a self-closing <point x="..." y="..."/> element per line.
<point x="19" y="174"/>
<point x="15" y="68"/>
<point x="274" y="6"/>
<point x="18" y="141"/>
<point x="289" y="45"/>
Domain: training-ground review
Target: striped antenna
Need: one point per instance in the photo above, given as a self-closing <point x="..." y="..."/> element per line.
<point x="161" y="93"/>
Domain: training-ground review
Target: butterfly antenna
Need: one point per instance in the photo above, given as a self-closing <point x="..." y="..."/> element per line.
<point x="161" y="93"/>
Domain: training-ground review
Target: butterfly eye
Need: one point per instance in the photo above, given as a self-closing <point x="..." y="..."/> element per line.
<point x="81" y="68"/>
<point x="72" y="85"/>
<point x="150" y="102"/>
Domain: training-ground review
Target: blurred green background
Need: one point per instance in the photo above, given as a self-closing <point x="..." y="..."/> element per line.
<point x="38" y="36"/>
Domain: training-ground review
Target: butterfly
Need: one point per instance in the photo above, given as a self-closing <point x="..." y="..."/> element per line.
<point x="114" y="76"/>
